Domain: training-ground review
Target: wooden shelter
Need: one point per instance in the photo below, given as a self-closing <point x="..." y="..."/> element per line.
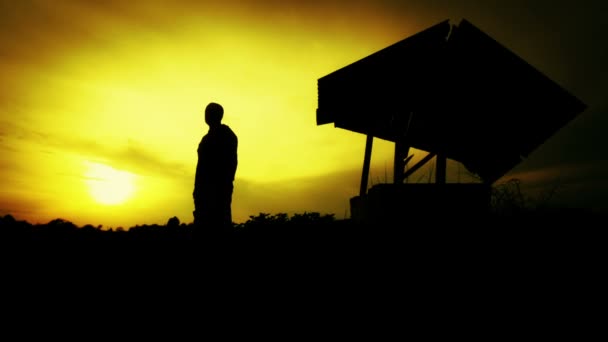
<point x="454" y="92"/>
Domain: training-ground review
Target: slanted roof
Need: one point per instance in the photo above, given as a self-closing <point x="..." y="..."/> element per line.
<point x="452" y="90"/>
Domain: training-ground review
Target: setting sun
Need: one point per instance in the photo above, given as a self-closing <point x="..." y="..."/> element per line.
<point x="107" y="185"/>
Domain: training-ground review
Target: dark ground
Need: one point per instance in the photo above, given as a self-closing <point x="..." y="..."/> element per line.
<point x="493" y="275"/>
<point x="563" y="238"/>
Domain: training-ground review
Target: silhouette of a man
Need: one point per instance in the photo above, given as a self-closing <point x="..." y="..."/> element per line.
<point x="215" y="170"/>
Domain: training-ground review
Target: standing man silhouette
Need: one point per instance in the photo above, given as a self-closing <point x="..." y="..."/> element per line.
<point x="215" y="170"/>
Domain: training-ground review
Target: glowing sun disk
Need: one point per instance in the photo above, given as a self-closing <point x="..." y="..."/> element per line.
<point x="108" y="185"/>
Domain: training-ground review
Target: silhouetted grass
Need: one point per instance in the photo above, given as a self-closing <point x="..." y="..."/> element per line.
<point x="306" y="257"/>
<point x="305" y="231"/>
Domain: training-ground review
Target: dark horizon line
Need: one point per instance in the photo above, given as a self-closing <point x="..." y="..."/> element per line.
<point x="284" y="218"/>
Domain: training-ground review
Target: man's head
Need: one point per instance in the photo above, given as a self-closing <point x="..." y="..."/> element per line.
<point x="213" y="114"/>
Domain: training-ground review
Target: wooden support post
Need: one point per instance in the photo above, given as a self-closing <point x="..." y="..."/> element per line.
<point x="366" y="162"/>
<point x="440" y="172"/>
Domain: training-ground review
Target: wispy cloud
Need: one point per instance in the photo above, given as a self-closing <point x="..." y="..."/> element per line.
<point x="130" y="155"/>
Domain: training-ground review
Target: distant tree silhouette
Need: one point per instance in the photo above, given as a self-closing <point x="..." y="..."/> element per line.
<point x="173" y="222"/>
<point x="283" y="219"/>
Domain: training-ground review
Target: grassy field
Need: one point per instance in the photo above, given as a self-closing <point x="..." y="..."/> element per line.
<point x="492" y="264"/>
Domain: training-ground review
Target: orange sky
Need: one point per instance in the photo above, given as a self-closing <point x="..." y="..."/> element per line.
<point x="101" y="103"/>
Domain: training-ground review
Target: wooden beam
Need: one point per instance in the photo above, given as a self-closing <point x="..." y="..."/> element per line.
<point x="366" y="162"/>
<point x="407" y="160"/>
<point x="418" y="165"/>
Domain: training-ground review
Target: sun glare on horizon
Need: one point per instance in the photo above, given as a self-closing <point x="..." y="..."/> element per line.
<point x="107" y="185"/>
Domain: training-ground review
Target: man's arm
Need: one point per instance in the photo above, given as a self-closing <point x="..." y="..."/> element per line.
<point x="234" y="157"/>
<point x="197" y="174"/>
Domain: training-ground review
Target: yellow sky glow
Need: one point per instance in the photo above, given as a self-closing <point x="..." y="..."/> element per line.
<point x="109" y="122"/>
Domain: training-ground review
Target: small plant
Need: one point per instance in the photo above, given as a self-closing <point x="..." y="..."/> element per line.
<point x="508" y="198"/>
